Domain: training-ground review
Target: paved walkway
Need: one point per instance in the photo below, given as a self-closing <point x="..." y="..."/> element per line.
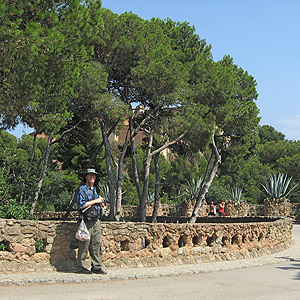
<point x="291" y="254"/>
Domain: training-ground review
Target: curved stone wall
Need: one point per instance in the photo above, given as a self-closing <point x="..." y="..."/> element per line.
<point x="277" y="208"/>
<point x="51" y="245"/>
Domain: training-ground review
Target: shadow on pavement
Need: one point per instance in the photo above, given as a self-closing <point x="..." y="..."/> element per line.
<point x="292" y="267"/>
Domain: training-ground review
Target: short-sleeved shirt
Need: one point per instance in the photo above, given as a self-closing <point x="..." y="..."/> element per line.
<point x="85" y="194"/>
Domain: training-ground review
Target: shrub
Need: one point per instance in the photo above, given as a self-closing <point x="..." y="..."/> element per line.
<point x="11" y="209"/>
<point x="39" y="246"/>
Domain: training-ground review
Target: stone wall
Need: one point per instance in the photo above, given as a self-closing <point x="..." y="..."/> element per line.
<point x="186" y="208"/>
<point x="277" y="207"/>
<point x="295" y="211"/>
<point x="139" y="244"/>
<point x="236" y="209"/>
<point x="127" y="212"/>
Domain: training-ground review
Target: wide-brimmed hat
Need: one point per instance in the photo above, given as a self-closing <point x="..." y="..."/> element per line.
<point x="91" y="171"/>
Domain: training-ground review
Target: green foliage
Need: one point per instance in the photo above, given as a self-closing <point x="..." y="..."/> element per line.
<point x="217" y="194"/>
<point x="4" y="187"/>
<point x="236" y="194"/>
<point x="246" y="172"/>
<point x="16" y="180"/>
<point x="272" y="151"/>
<point x="11" y="209"/>
<point x="277" y="186"/>
<point x="165" y="199"/>
<point x="3" y="246"/>
<point x="50" y="46"/>
<point x="64" y="66"/>
<point x="192" y="189"/>
<point x="130" y="196"/>
<point x="39" y="246"/>
<point x="268" y="133"/>
<point x="182" y="168"/>
<point x="57" y="190"/>
<point x="104" y="190"/>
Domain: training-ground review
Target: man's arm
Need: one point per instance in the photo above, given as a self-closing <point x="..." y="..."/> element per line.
<point x="98" y="200"/>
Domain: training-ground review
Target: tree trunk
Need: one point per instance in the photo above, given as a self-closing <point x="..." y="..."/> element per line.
<point x="132" y="134"/>
<point x="156" y="192"/>
<point x="146" y="179"/>
<point x="40" y="183"/>
<point x="134" y="165"/>
<point x="72" y="202"/>
<point x="207" y="168"/>
<point x="108" y="160"/>
<point x="119" y="180"/>
<point x="98" y="148"/>
<point x="206" y="185"/>
<point x="147" y="170"/>
<point x="29" y="169"/>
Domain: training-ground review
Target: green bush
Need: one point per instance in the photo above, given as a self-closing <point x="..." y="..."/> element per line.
<point x="217" y="194"/>
<point x="39" y="246"/>
<point x="3" y="246"/>
<point x="130" y="196"/>
<point x="11" y="209"/>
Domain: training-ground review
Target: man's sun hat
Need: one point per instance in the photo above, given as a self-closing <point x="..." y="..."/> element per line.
<point x="91" y="171"/>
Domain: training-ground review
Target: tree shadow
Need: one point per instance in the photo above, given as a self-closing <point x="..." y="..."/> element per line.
<point x="292" y="267"/>
<point x="288" y="258"/>
<point x="63" y="251"/>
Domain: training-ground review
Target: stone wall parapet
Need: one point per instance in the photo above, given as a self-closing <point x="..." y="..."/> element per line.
<point x="130" y="244"/>
<point x="277" y="208"/>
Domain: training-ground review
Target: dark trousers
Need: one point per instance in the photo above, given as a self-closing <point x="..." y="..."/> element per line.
<point x="94" y="246"/>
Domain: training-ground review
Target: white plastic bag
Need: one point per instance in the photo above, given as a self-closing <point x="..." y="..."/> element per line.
<point x="82" y="233"/>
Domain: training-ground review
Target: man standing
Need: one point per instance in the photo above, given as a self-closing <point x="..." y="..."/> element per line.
<point x="87" y="197"/>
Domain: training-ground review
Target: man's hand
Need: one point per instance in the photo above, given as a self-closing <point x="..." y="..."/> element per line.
<point x="99" y="200"/>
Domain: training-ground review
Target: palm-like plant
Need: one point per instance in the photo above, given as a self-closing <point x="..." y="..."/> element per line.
<point x="277" y="186"/>
<point x="192" y="189"/>
<point x="236" y="194"/>
<point x="150" y="197"/>
<point x="104" y="189"/>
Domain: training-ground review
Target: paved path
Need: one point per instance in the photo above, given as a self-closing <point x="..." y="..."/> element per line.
<point x="275" y="276"/>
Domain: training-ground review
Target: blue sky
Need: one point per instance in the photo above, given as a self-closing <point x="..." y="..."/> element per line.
<point x="262" y="36"/>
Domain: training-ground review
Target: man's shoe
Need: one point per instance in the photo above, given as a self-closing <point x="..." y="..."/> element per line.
<point x="83" y="271"/>
<point x="98" y="271"/>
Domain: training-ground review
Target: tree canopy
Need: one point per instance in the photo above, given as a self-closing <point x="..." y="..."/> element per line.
<point x="80" y="74"/>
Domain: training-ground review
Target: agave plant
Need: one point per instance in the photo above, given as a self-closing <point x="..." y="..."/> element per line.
<point x="236" y="194"/>
<point x="104" y="189"/>
<point x="192" y="189"/>
<point x="150" y="197"/>
<point x="277" y="186"/>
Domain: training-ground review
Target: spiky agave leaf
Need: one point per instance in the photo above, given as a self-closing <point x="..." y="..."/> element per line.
<point x="192" y="189"/>
<point x="150" y="197"/>
<point x="236" y="194"/>
<point x="276" y="186"/>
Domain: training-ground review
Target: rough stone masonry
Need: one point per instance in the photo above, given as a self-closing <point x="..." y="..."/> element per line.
<point x="28" y="245"/>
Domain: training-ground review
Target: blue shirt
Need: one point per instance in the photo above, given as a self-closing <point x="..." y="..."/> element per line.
<point x="85" y="194"/>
